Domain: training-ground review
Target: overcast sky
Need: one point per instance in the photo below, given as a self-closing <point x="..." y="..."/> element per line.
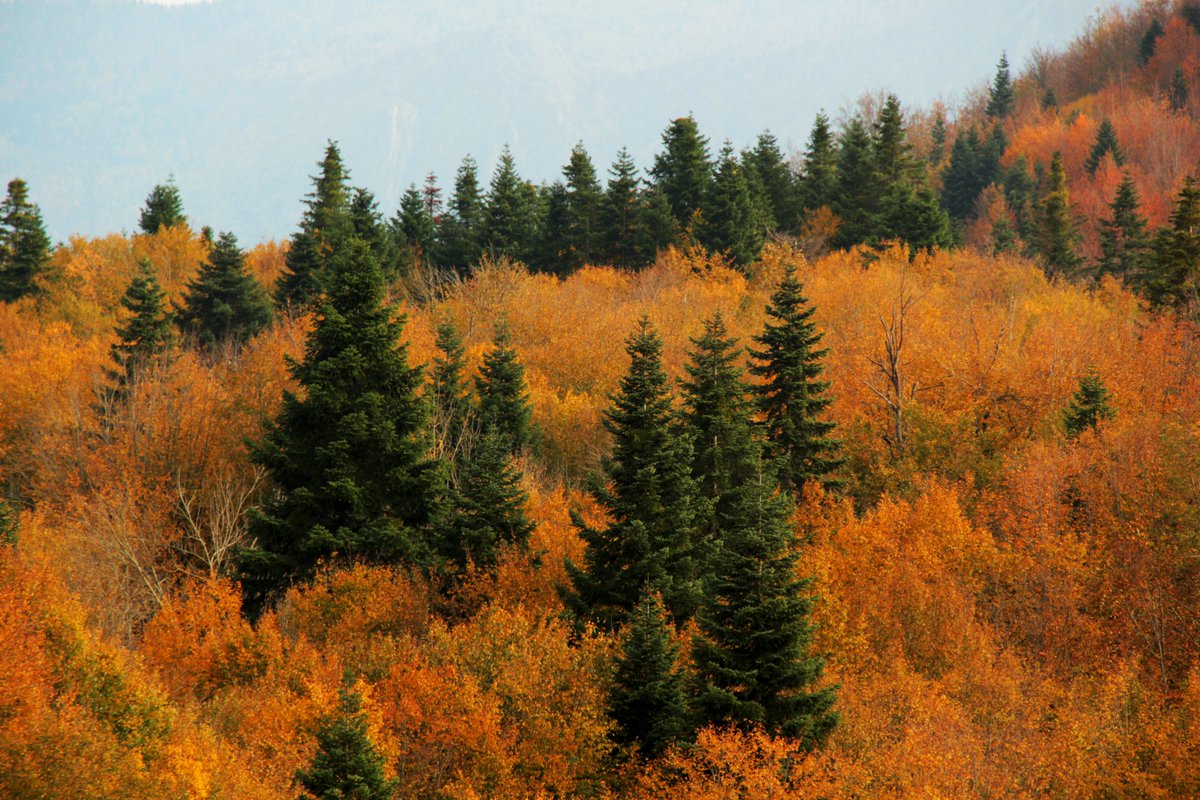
<point x="236" y="98"/>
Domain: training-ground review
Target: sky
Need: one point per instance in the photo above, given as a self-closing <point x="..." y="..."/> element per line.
<point x="100" y="101"/>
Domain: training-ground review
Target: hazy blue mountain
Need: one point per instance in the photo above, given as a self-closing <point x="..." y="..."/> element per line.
<point x="100" y="101"/>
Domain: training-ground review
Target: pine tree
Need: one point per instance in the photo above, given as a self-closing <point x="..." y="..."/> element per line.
<point x="818" y="181"/>
<point x="962" y="179"/>
<point x="908" y="209"/>
<point x="1106" y="143"/>
<point x="937" y="137"/>
<point x="347" y="764"/>
<point x="163" y="208"/>
<point x="1174" y="271"/>
<point x="752" y="659"/>
<point x="1088" y="407"/>
<point x="146" y="336"/>
<point x="324" y="229"/>
<point x="647" y="699"/>
<point x="552" y="251"/>
<point x="509" y="225"/>
<point x="1124" y="243"/>
<point x="366" y="222"/>
<point x="449" y="395"/>
<point x="347" y="457"/>
<point x="1149" y="42"/>
<point x="648" y="495"/>
<point x="856" y="201"/>
<point x="413" y="227"/>
<point x="24" y="245"/>
<point x="503" y="393"/>
<point x="682" y="172"/>
<point x="890" y="150"/>
<point x="583" y="228"/>
<point x="1177" y="95"/>
<point x="224" y="304"/>
<point x="729" y="222"/>
<point x="1002" y="97"/>
<point x="791" y="398"/>
<point x="766" y="163"/>
<point x="622" y="216"/>
<point x="459" y="233"/>
<point x="1058" y="235"/>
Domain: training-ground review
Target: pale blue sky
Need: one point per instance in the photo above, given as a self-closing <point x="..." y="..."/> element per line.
<point x="99" y="101"/>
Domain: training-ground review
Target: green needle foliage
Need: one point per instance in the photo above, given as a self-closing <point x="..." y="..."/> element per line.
<point x="163" y="209"/>
<point x="147" y="335"/>
<point x="347" y="765"/>
<point x="1088" y="407"/>
<point x="24" y="245"/>
<point x="224" y="304"/>
<point x="503" y="393"/>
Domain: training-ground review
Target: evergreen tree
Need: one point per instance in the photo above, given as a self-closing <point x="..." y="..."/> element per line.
<point x="324" y="229"/>
<point x="224" y="303"/>
<point x="1019" y="192"/>
<point x="1088" y="407"/>
<point x="937" y="137"/>
<point x="682" y="172"/>
<point x="647" y="700"/>
<point x="347" y="456"/>
<point x="366" y="222"/>
<point x="146" y="336"/>
<point x="1004" y="235"/>
<point x="856" y="201"/>
<point x="890" y="149"/>
<point x="413" y="226"/>
<point x="1174" y="271"/>
<point x="1149" y="41"/>
<point x="818" y="182"/>
<point x="551" y="254"/>
<point x="752" y="657"/>
<point x="10" y="525"/>
<point x="347" y="765"/>
<point x="459" y="234"/>
<point x="648" y="495"/>
<point x="1124" y="243"/>
<point x="961" y="180"/>
<point x="24" y="245"/>
<point x="729" y="222"/>
<point x="791" y="398"/>
<point x="1050" y="100"/>
<point x="768" y="167"/>
<point x="1106" y="142"/>
<point x="622" y="212"/>
<point x="509" y="224"/>
<point x="163" y="209"/>
<point x="1058" y="235"/>
<point x="503" y="393"/>
<point x="583" y="196"/>
<point x="1002" y="97"/>
<point x="659" y="227"/>
<point x="449" y="395"/>
<point x="1177" y="96"/>
<point x="908" y="208"/>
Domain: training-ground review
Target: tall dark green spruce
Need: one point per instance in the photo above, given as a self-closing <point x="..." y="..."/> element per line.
<point x="1177" y="94"/>
<point x="24" y="245"/>
<point x="347" y="764"/>
<point x="1124" y="243"/>
<point x="648" y="494"/>
<point x="366" y="222"/>
<point x="909" y="209"/>
<point x="510" y="219"/>
<point x="767" y="164"/>
<point x="1058" y="233"/>
<point x="731" y="222"/>
<point x="503" y="394"/>
<point x="792" y="397"/>
<point x="1106" y="144"/>
<point x="1089" y="406"/>
<point x="459" y="233"/>
<point x="347" y="458"/>
<point x="648" y="699"/>
<point x="856" y="201"/>
<point x="1173" y="277"/>
<point x="224" y="304"/>
<point x="324" y="228"/>
<point x="413" y="228"/>
<point x="818" y="182"/>
<point x="1002" y="97"/>
<point x="451" y="412"/>
<point x="583" y="228"/>
<point x="683" y="171"/>
<point x="1149" y="41"/>
<point x="622" y="211"/>
<point x="147" y="335"/>
<point x="163" y="208"/>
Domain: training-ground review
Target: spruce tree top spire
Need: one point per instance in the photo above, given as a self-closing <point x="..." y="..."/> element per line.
<point x="24" y="245"/>
<point x="503" y="393"/>
<point x="1002" y="96"/>
<point x="163" y="209"/>
<point x="347" y="765"/>
<point x="683" y="171"/>
<point x="146" y="335"/>
<point x="1089" y="405"/>
<point x="325" y="225"/>
<point x="224" y="303"/>
<point x="1106" y="143"/>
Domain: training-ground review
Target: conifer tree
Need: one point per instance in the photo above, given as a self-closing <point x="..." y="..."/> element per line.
<point x="648" y="494"/>
<point x="890" y="149"/>
<point x="1124" y="243"/>
<point x="1058" y="234"/>
<point x="1177" y="95"/>
<point x="1174" y="271"/>
<point x="414" y="228"/>
<point x="1089" y="406"/>
<point x="818" y="181"/>
<point x="682" y="172"/>
<point x="509" y="223"/>
<point x="647" y="700"/>
<point x="766" y="163"/>
<point x="449" y="395"/>
<point x="551" y="251"/>
<point x="347" y="764"/>
<point x="621" y="216"/>
<point x="1002" y="97"/>
<point x="961" y="180"/>
<point x="459" y="233"/>
<point x="146" y="336"/>
<point x="10" y="525"/>
<point x="856" y="201"/>
<point x="583" y="196"/>
<point x="366" y="222"/>
<point x="324" y="228"/>
<point x="937" y="137"/>
<point x="163" y="208"/>
<point x="730" y="223"/>
<point x="224" y="303"/>
<point x="792" y="396"/>
<point x="347" y="457"/>
<point x="503" y="394"/>
<point x="24" y="245"/>
<point x="1106" y="143"/>
<point x="908" y="208"/>
<point x="1149" y="41"/>
<point x="1050" y="100"/>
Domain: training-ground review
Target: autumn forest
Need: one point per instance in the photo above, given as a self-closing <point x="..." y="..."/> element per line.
<point x="864" y="471"/>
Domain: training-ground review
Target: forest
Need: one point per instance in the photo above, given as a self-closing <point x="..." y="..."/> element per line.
<point x="866" y="471"/>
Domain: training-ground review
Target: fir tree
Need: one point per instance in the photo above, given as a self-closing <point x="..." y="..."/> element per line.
<point x="856" y="201"/>
<point x="792" y="396"/>
<point x="347" y="765"/>
<point x="1174" y="271"/>
<point x="622" y="216"/>
<point x="1002" y="97"/>
<point x="937" y="138"/>
<point x="1177" y="95"/>
<point x="146" y="336"/>
<point x="1088" y="407"/>
<point x="768" y="167"/>
<point x="413" y="226"/>
<point x="224" y="303"/>
<point x="324" y="229"/>
<point x="449" y="395"/>
<point x="647" y="699"/>
<point x="1149" y="42"/>
<point x="347" y="457"/>
<point x="583" y="196"/>
<point x="908" y="208"/>
<point x="729" y="222"/>
<point x="648" y="495"/>
<point x="459" y="233"/>
<point x="818" y="182"/>
<point x="366" y="222"/>
<point x="1049" y="100"/>
<point x="890" y="150"/>
<point x="961" y="180"/>
<point x="682" y="172"/>
<point x="1004" y="234"/>
<point x="24" y="245"/>
<point x="1106" y="143"/>
<point x="1058" y="234"/>
<point x="10" y="525"/>
<point x="503" y="393"/>
<point x="551" y="253"/>
<point x="163" y="208"/>
<point x="1124" y="243"/>
<point x="509" y="224"/>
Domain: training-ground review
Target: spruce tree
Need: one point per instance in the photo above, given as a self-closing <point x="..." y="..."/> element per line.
<point x="648" y="494"/>
<point x="647" y="699"/>
<point x="937" y="137"/>
<point x="449" y="395"/>
<point x="10" y="525"/>
<point x="908" y="208"/>
<point x="1173" y="278"/>
<point x="147" y="334"/>
<point x="1058" y="234"/>
<point x="1124" y="243"/>
<point x="682" y="172"/>
<point x="163" y="208"/>
<point x="1106" y="143"/>
<point x="818" y="181"/>
<point x="24" y="245"/>
<point x="766" y="163"/>
<point x="460" y="231"/>
<point x="551" y="253"/>
<point x="1002" y="97"/>
<point x="413" y="227"/>
<point x="1149" y="41"/>
<point x="890" y="150"/>
<point x="730" y="223"/>
<point x="366" y="222"/>
<point x="509" y="224"/>
<point x="347" y="764"/>
<point x="962" y="178"/>
<point x="224" y="304"/>
<point x="792" y="397"/>
<point x="346" y="457"/>
<point x="622" y="216"/>
<point x="1089" y="406"/>
<point x="858" y="187"/>
<point x="583" y="229"/>
<point x="324" y="228"/>
<point x="1050" y="100"/>
<point x="503" y="394"/>
<point x="1177" y="95"/>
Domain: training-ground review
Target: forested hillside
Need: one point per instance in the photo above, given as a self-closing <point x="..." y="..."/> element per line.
<point x="868" y="471"/>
